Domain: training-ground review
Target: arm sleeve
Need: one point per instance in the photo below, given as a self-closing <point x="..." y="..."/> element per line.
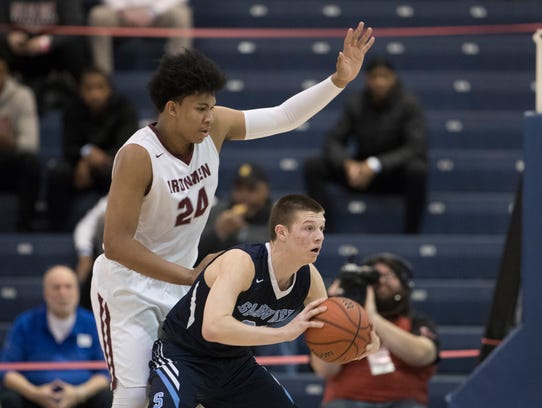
<point x="85" y="230"/>
<point x="292" y="113"/>
<point x="27" y="125"/>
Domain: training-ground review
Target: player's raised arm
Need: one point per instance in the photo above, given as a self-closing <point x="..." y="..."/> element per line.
<point x="356" y="44"/>
<point x="257" y="123"/>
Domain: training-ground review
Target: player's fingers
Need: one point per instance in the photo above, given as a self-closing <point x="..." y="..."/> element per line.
<point x="315" y="303"/>
<point x="368" y="45"/>
<point x="362" y="38"/>
<point x="310" y="313"/>
<point x="348" y="37"/>
<point x="357" y="34"/>
<point x="316" y="324"/>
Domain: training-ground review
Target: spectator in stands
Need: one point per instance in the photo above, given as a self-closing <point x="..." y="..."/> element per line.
<point x="95" y="126"/>
<point x="88" y="239"/>
<point x="384" y="127"/>
<point x="241" y="218"/>
<point x="397" y="376"/>
<point x="58" y="331"/>
<point x="19" y="144"/>
<point x="49" y="63"/>
<point x="138" y="13"/>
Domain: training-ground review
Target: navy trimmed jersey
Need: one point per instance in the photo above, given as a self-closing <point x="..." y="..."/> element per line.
<point x="187" y="370"/>
<point x="263" y="304"/>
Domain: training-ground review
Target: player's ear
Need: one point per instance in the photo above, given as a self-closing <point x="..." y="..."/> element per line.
<point x="171" y="108"/>
<point x="281" y="231"/>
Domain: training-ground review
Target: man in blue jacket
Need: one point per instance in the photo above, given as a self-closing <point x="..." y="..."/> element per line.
<point x="59" y="331"/>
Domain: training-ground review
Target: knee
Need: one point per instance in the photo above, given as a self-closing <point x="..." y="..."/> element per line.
<point x="416" y="169"/>
<point x="178" y="16"/>
<point x="102" y="16"/>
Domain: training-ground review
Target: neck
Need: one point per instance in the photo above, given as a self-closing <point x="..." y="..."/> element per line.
<point x="174" y="143"/>
<point x="283" y="265"/>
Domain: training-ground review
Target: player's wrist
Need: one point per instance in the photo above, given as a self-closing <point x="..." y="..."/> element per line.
<point x="338" y="82"/>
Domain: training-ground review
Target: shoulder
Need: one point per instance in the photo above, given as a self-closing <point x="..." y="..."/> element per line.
<point x="85" y="317"/>
<point x="21" y="93"/>
<point x="29" y="318"/>
<point x="133" y="160"/>
<point x="133" y="151"/>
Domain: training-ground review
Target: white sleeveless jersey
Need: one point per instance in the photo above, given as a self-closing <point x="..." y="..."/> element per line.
<point x="175" y="210"/>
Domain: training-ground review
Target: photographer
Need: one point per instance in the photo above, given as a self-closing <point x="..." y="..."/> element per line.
<point x="243" y="216"/>
<point x="397" y="376"/>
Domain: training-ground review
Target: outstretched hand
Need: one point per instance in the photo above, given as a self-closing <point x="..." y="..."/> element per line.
<point x="356" y="44"/>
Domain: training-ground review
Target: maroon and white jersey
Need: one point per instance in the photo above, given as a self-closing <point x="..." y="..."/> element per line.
<point x="176" y="208"/>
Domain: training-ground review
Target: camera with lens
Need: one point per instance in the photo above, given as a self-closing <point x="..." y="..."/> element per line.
<point x="355" y="278"/>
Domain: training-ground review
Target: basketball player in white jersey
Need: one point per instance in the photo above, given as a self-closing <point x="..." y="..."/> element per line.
<point x="163" y="181"/>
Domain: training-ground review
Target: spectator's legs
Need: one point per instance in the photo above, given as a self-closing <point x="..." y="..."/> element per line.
<point x="59" y="195"/>
<point x="415" y="190"/>
<point x="179" y="16"/>
<point x="29" y="183"/>
<point x="21" y="175"/>
<point x="317" y="176"/>
<point x="102" y="46"/>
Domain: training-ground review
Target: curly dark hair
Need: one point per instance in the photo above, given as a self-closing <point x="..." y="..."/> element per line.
<point x="187" y="73"/>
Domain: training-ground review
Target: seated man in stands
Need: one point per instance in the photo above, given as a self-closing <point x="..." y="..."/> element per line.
<point x="19" y="144"/>
<point x="243" y="216"/>
<point x="377" y="146"/>
<point x="95" y="125"/>
<point x="138" y="13"/>
<point x="398" y="375"/>
<point x="59" y="331"/>
<point x="47" y="62"/>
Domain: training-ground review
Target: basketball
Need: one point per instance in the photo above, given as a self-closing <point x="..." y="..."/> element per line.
<point x="346" y="331"/>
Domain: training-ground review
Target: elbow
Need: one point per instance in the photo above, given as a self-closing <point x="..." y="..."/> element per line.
<point x="424" y="357"/>
<point x="209" y="332"/>
<point x="112" y="250"/>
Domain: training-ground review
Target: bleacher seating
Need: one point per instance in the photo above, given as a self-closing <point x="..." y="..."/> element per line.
<point x="18" y="295"/>
<point x="377" y="13"/>
<point x="307" y="390"/>
<point x="474" y="89"/>
<point x="29" y="255"/>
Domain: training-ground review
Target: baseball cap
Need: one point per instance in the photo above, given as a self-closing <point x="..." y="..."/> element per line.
<point x="250" y="173"/>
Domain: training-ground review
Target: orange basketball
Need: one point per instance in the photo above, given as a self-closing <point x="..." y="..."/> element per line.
<point x="346" y="331"/>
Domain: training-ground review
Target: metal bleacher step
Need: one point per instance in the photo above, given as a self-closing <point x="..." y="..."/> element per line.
<point x="459" y="338"/>
<point x="445" y="213"/>
<point x="18" y="294"/>
<point x="451" y="170"/>
<point x="458" y="256"/>
<point x="346" y="13"/>
<point x="458" y="52"/>
<point x="307" y="388"/>
<point x="29" y="255"/>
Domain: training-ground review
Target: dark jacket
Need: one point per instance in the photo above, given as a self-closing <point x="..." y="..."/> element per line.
<point x="394" y="131"/>
<point x="108" y="130"/>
